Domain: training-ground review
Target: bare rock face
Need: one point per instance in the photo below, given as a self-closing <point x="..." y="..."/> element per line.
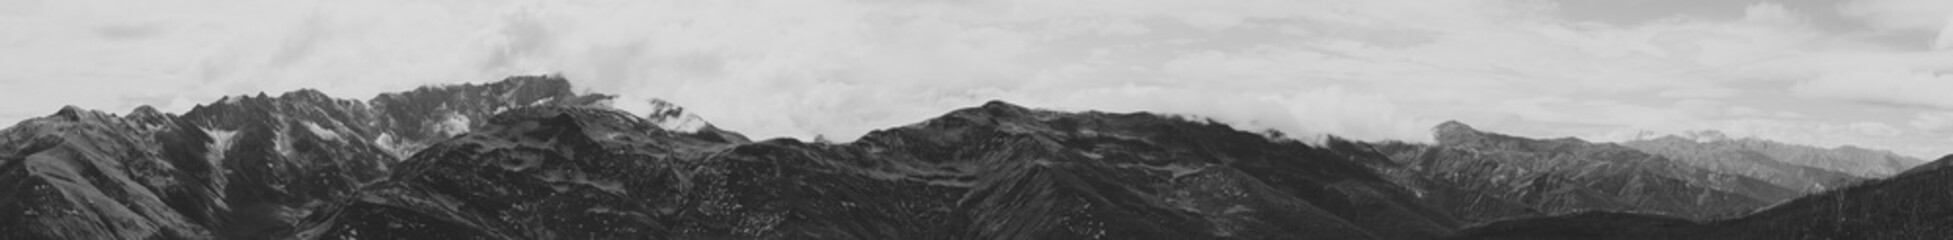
<point x="245" y="167"/>
<point x="1564" y="176"/>
<point x="993" y="172"/>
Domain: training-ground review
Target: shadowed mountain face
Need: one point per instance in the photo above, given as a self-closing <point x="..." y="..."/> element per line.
<point x="1912" y="205"/>
<point x="1743" y="157"/>
<point x="243" y="167"/>
<point x="1564" y="176"/>
<point x="993" y="172"/>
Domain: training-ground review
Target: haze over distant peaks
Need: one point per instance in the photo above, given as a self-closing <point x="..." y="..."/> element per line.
<point x="525" y="158"/>
<point x="1854" y="160"/>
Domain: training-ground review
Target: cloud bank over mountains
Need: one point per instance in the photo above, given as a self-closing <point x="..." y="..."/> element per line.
<point x="1867" y="72"/>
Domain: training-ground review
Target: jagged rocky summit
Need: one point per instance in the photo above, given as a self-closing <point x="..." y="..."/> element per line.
<point x="245" y="167"/>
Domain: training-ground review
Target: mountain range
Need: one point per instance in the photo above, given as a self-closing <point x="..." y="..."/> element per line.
<point x="526" y="158"/>
<point x="1803" y="168"/>
<point x="1911" y="205"/>
<point x="240" y="168"/>
<point x="1561" y="176"/>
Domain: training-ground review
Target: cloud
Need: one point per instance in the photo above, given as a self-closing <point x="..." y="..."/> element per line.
<point x="1932" y="121"/>
<point x="1922" y="15"/>
<point x="1383" y="69"/>
<point x="126" y="32"/>
<point x="1890" y="87"/>
<point x="1875" y="129"/>
<point x="1944" y="40"/>
<point x="1700" y="92"/>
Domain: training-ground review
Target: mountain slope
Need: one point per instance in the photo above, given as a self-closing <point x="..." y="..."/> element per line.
<point x="242" y="167"/>
<point x="1563" y="176"/>
<point x="87" y="175"/>
<point x="993" y="172"/>
<point x="1913" y="205"/>
<point x="1729" y="156"/>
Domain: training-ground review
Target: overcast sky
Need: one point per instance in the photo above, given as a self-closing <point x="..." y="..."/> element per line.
<point x="1822" y="72"/>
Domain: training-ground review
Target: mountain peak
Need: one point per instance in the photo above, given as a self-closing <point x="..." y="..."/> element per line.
<point x="1453" y="132"/>
<point x="533" y="86"/>
<point x="999" y="108"/>
<point x="70" y="111"/>
<point x="672" y="117"/>
<point x="1452" y="127"/>
<point x="305" y="94"/>
<point x="1706" y="136"/>
<point x="1453" y="124"/>
<point x="990" y="112"/>
<point x="665" y="109"/>
<point x="1001" y="104"/>
<point x="545" y="80"/>
<point x="76" y="113"/>
<point x="144" y="110"/>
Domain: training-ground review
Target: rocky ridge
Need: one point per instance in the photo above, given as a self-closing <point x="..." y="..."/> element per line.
<point x="244" y="167"/>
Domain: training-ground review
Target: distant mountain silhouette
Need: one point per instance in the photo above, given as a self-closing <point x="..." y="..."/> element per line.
<point x="1913" y="205"/>
<point x="1859" y="162"/>
<point x="1563" y="176"/>
<point x="1753" y="158"/>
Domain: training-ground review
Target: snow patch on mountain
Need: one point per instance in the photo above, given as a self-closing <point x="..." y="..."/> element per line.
<point x="320" y="131"/>
<point x="220" y="142"/>
<point x="685" y="124"/>
<point x="281" y="142"/>
<point x="454" y="125"/>
<point x="1700" y="136"/>
<point x="1705" y="136"/>
<point x="394" y="146"/>
<point x="671" y="117"/>
<point x="384" y="141"/>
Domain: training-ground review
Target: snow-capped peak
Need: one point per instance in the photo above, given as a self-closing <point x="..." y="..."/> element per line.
<point x="1704" y="136"/>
